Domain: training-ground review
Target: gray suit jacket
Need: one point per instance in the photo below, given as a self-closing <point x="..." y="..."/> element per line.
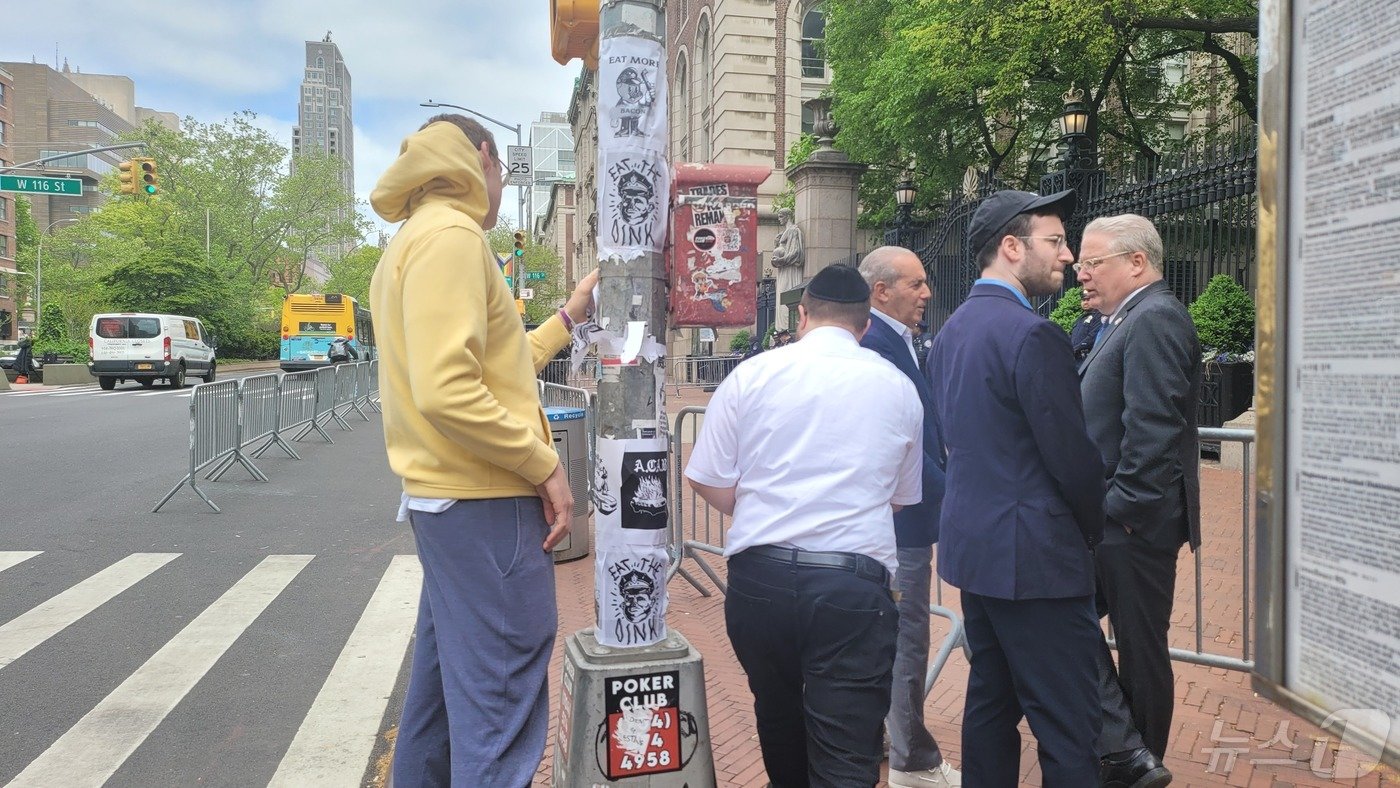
<point x="1140" y="385"/>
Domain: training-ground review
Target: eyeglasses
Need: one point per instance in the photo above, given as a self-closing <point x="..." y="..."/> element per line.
<point x="1095" y="262"/>
<point x="1057" y="240"/>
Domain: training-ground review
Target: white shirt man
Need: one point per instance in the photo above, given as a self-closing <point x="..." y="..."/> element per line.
<point x="812" y="447"/>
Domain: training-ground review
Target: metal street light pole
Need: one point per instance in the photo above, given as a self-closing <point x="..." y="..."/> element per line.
<point x="39" y="271"/>
<point x="520" y="193"/>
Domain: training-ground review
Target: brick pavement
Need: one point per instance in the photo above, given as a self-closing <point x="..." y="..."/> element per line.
<point x="1225" y="734"/>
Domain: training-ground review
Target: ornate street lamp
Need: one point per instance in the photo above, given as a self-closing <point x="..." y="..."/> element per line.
<point x="904" y="193"/>
<point x="1074" y="129"/>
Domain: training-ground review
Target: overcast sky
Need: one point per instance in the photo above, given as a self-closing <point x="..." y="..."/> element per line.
<point x="212" y="58"/>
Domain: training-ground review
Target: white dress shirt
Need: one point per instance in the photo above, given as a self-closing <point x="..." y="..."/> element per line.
<point x="818" y="438"/>
<point x="901" y="329"/>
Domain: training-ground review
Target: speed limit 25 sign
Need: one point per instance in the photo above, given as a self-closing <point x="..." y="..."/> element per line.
<point x="521" y="170"/>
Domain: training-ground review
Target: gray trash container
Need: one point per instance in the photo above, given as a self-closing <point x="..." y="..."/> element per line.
<point x="569" y="429"/>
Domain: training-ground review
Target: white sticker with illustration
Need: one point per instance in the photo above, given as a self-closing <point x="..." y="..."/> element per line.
<point x="633" y="202"/>
<point x="630" y="481"/>
<point x="631" y="94"/>
<point x="630" y="584"/>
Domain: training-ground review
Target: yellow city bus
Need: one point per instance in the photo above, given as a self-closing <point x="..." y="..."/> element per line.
<point x="311" y="322"/>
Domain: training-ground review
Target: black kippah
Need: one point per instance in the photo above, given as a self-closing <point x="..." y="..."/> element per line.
<point x="839" y="283"/>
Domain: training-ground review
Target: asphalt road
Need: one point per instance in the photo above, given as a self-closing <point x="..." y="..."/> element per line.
<point x="191" y="648"/>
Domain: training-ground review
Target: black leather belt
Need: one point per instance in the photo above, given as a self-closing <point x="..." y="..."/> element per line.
<point x="862" y="565"/>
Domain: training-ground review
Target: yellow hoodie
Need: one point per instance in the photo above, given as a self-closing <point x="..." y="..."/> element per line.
<point x="462" y="416"/>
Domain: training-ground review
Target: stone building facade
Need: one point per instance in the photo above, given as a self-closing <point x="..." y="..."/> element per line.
<point x="52" y="114"/>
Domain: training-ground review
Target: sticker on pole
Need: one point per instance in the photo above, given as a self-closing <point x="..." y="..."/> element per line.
<point x="643" y="724"/>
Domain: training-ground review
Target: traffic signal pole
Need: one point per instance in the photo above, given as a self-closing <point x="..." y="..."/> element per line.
<point x="632" y="706"/>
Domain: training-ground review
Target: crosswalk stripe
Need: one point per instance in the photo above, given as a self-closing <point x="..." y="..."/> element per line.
<point x="336" y="739"/>
<point x="9" y="558"/>
<point x="93" y="749"/>
<point x="25" y="632"/>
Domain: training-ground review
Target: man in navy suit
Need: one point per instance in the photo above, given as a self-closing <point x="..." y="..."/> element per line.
<point x="1024" y="502"/>
<point x="899" y="290"/>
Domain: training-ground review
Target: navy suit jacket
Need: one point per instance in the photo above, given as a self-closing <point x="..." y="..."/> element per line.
<point x="917" y="525"/>
<point x="1025" y="483"/>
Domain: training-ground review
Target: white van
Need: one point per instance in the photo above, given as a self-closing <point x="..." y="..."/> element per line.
<point x="144" y="347"/>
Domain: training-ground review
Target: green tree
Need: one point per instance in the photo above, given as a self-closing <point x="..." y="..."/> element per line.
<point x="550" y="292"/>
<point x="959" y="83"/>
<point x="1224" y="316"/>
<point x="171" y="278"/>
<point x="1070" y="308"/>
<point x="52" y="336"/>
<point x="351" y="274"/>
<point x="261" y="208"/>
<point x="26" y="246"/>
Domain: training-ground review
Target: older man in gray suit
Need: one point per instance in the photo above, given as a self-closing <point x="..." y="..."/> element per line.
<point x="1139" y="385"/>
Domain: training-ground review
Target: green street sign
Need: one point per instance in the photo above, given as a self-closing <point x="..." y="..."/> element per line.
<point x="71" y="187"/>
<point x="535" y="276"/>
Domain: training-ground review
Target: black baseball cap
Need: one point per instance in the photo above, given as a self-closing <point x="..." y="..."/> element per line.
<point x="1001" y="207"/>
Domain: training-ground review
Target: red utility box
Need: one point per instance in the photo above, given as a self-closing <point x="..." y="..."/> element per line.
<point x="713" y="261"/>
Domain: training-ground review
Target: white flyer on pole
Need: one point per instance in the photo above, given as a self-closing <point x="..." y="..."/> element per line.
<point x="631" y="94"/>
<point x="634" y="192"/>
<point x="630" y="501"/>
<point x="630" y="585"/>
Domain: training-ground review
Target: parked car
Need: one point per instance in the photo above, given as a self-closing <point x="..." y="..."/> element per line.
<point x="149" y="347"/>
<point x="8" y="350"/>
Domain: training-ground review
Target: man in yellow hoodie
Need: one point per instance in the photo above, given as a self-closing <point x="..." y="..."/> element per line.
<point x="482" y="484"/>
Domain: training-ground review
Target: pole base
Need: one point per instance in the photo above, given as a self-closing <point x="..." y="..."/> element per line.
<point x="632" y="717"/>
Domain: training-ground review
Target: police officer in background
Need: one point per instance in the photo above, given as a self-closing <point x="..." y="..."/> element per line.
<point x="813" y="484"/>
<point x="1086" y="329"/>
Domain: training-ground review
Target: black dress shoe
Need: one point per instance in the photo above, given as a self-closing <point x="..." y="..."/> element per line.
<point x="1133" y="769"/>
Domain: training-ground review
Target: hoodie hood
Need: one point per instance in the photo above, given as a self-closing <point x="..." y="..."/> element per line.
<point x="436" y="164"/>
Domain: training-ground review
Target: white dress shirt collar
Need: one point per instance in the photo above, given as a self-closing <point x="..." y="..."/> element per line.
<point x="899" y="328"/>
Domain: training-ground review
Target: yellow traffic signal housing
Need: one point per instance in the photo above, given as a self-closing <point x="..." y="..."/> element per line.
<point x="573" y="31"/>
<point x="519" y="243"/>
<point x="150" y="180"/>
<point x="520" y="306"/>
<point x="128" y="170"/>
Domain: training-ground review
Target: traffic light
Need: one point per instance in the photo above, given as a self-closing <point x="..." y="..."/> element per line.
<point x="519" y="244"/>
<point x="150" y="180"/>
<point x="573" y="31"/>
<point x="128" y="170"/>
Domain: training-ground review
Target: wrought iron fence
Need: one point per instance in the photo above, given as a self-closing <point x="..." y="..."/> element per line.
<point x="1202" y="201"/>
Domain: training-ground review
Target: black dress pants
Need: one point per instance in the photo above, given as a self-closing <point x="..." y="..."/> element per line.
<point x="1031" y="658"/>
<point x="817" y="645"/>
<point x="1136" y="583"/>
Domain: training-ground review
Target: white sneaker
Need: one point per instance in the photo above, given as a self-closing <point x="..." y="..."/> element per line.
<point x="940" y="775"/>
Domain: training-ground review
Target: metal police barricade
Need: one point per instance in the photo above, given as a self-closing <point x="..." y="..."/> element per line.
<point x="374" y="386"/>
<point x="700" y="371"/>
<point x="323" y="403"/>
<point x="344" y="394"/>
<point x="1244" y="659"/>
<point x="257" y="419"/>
<point x="361" y="388"/>
<point x="296" y="407"/>
<point x="701" y="529"/>
<point x="213" y="433"/>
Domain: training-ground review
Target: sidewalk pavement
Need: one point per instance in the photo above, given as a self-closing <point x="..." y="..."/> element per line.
<point x="1224" y="733"/>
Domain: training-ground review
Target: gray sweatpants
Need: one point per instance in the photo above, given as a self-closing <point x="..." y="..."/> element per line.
<point x="477" y="707"/>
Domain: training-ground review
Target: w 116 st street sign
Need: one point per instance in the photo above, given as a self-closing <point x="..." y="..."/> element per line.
<point x="71" y="187"/>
